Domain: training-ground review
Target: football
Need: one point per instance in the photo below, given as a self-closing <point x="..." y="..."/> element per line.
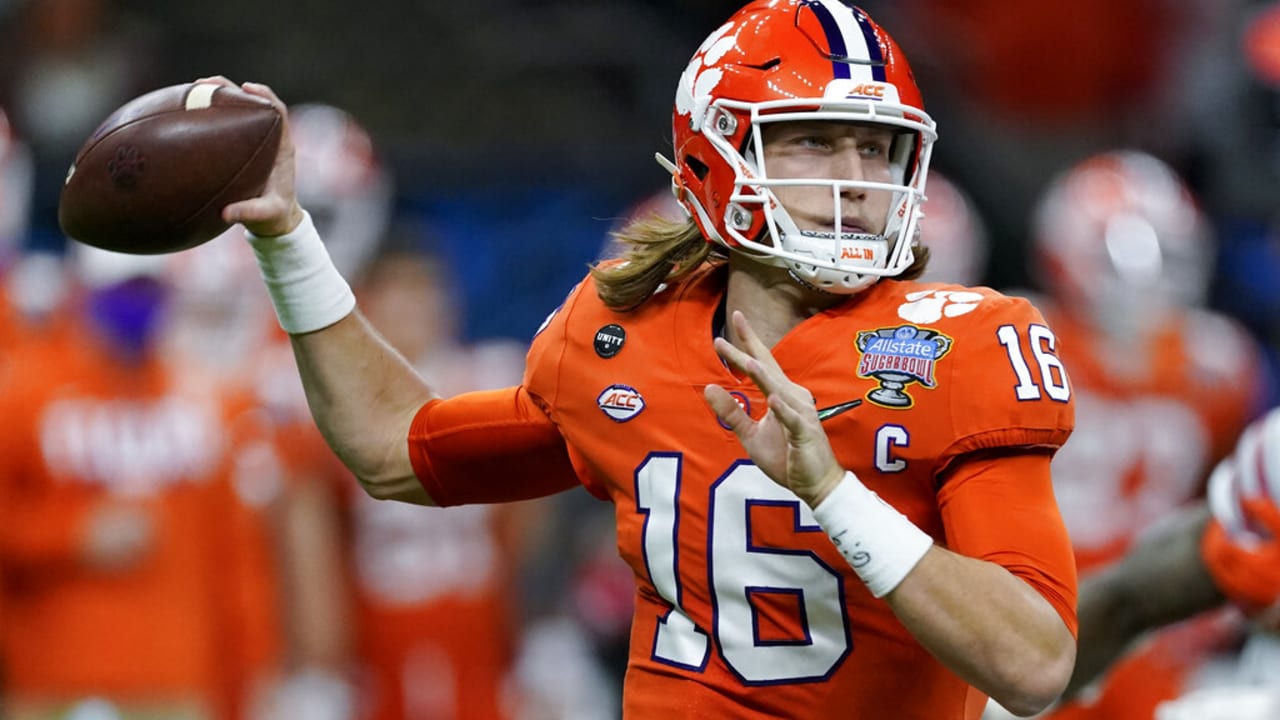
<point x="155" y="176"/>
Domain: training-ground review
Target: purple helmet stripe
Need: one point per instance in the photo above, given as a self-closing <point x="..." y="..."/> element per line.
<point x="835" y="39"/>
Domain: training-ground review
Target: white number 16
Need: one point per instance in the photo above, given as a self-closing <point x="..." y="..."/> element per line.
<point x="1053" y="376"/>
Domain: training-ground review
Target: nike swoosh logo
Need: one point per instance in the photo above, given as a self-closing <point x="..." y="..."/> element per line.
<point x="827" y="413"/>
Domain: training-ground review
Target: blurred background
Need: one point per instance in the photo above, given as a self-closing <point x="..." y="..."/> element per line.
<point x="522" y="127"/>
<point x="486" y="149"/>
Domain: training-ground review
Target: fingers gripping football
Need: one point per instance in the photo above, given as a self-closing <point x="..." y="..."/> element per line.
<point x="276" y="211"/>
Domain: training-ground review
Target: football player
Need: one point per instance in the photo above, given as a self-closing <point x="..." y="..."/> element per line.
<point x="124" y="545"/>
<point x="1163" y="386"/>
<point x="831" y="482"/>
<point x="1224" y="549"/>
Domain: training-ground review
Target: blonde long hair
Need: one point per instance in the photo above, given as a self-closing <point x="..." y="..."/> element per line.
<point x="654" y="250"/>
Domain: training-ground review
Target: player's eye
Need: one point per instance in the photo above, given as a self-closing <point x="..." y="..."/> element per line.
<point x="813" y="141"/>
<point x="874" y="149"/>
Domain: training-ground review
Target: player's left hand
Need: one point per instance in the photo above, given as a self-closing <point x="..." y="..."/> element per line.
<point x="788" y="443"/>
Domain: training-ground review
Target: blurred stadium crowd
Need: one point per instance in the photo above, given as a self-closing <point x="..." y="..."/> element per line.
<point x="174" y="535"/>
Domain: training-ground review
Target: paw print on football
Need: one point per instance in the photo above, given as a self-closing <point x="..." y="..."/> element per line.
<point x="926" y="306"/>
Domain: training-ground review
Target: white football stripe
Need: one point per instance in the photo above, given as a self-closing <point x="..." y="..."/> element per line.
<point x="200" y="96"/>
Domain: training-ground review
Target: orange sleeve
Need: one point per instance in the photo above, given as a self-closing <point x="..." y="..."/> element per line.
<point x="1000" y="507"/>
<point x="487" y="447"/>
<point x="1011" y="391"/>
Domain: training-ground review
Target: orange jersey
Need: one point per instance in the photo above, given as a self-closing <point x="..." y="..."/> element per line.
<point x="82" y="433"/>
<point x="744" y="609"/>
<point x="434" y="610"/>
<point x="1149" y="426"/>
<point x="8" y="325"/>
<point x="434" y="589"/>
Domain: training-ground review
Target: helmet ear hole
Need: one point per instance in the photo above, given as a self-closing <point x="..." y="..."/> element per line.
<point x="698" y="167"/>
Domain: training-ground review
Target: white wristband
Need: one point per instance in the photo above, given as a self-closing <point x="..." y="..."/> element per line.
<point x="880" y="543"/>
<point x="305" y="287"/>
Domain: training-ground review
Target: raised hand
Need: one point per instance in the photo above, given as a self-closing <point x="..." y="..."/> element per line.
<point x="276" y="211"/>
<point x="788" y="443"/>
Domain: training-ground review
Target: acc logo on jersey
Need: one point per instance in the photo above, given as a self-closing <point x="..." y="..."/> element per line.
<point x="897" y="357"/>
<point x="620" y="402"/>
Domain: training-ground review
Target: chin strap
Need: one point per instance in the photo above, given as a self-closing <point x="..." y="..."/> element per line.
<point x="666" y="164"/>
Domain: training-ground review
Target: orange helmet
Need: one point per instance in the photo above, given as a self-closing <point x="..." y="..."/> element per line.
<point x="955" y="234"/>
<point x="343" y="182"/>
<point x="783" y="61"/>
<point x="1252" y="472"/>
<point x="1120" y="236"/>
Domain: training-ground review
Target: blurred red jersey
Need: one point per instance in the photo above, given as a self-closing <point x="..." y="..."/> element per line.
<point x="744" y="609"/>
<point x="434" y="594"/>
<point x="1151" y="423"/>
<point x="435" y="610"/>
<point x="82" y="433"/>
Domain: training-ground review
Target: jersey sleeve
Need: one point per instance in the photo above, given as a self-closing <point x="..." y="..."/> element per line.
<point x="543" y="365"/>
<point x="1011" y="389"/>
<point x="487" y="447"/>
<point x="999" y="506"/>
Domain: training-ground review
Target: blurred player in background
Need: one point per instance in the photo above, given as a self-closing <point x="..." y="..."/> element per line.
<point x="219" y="328"/>
<point x="439" y="606"/>
<point x="955" y="233"/>
<point x="222" y="326"/>
<point x="1163" y="385"/>
<point x="16" y="176"/>
<point x="432" y="617"/>
<point x="1223" y="548"/>
<point x="123" y="547"/>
